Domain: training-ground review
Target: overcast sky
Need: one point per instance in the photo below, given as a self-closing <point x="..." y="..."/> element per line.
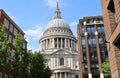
<point x="32" y="16"/>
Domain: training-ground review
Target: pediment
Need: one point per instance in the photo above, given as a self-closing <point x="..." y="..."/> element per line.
<point x="61" y="51"/>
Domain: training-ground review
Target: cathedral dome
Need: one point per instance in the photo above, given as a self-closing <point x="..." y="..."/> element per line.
<point x="57" y="22"/>
<point x="57" y="34"/>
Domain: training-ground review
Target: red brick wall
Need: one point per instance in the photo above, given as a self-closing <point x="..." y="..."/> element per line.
<point x="112" y="30"/>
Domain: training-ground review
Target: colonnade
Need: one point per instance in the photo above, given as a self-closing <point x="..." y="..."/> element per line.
<point x="58" y="43"/>
<point x="61" y="75"/>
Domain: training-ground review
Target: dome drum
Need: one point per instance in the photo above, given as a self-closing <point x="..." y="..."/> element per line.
<point x="58" y="43"/>
<point x="58" y="30"/>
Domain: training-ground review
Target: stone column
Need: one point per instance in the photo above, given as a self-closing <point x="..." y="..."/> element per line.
<point x="54" y="62"/>
<point x="68" y="43"/>
<point x="65" y="42"/>
<point x="57" y="43"/>
<point x="61" y="42"/>
<point x="71" y="44"/>
<point x="53" y="43"/>
<point x="65" y="74"/>
<point x="60" y="74"/>
<point x="57" y="62"/>
<point x="50" y="44"/>
<point x="69" y="75"/>
<point x="53" y="75"/>
<point x="46" y="43"/>
<point x="43" y="44"/>
<point x="65" y="61"/>
<point x="56" y="75"/>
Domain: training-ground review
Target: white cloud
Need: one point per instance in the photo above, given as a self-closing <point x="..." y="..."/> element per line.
<point x="73" y="24"/>
<point x="34" y="32"/>
<point x="51" y="3"/>
<point x="33" y="49"/>
<point x="32" y="36"/>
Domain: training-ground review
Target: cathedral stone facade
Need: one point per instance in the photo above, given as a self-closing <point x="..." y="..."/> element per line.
<point x="58" y="45"/>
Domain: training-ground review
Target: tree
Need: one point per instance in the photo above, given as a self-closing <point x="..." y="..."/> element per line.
<point x="38" y="67"/>
<point x="21" y="57"/>
<point x="4" y="50"/>
<point x="106" y="69"/>
<point x="47" y="72"/>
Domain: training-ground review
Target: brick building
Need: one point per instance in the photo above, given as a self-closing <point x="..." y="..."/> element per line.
<point x="111" y="17"/>
<point x="91" y="48"/>
<point x="11" y="30"/>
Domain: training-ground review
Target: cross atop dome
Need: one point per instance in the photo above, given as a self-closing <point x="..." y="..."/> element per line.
<point x="57" y="12"/>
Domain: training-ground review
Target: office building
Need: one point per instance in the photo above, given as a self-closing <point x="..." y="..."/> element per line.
<point x="91" y="47"/>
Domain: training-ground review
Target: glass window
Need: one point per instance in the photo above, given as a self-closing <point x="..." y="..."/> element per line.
<point x="11" y="27"/>
<point x="10" y="38"/>
<point x="86" y="66"/>
<point x="6" y="23"/>
<point x="94" y="41"/>
<point x="98" y="20"/>
<point x="100" y="28"/>
<point x="92" y="65"/>
<point x="91" y="21"/>
<point x="70" y="42"/>
<point x="90" y="29"/>
<point x="90" y="41"/>
<point x="15" y="31"/>
<point x="84" y="49"/>
<point x="61" y="61"/>
<point x="83" y="40"/>
<point x="100" y="40"/>
<point x="82" y="29"/>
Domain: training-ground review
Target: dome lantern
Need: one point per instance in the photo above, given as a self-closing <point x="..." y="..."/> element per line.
<point x="57" y="12"/>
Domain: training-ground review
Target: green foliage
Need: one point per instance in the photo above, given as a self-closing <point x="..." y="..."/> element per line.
<point x="24" y="64"/>
<point x="47" y="72"/>
<point x="21" y="58"/>
<point x="4" y="49"/>
<point x="106" y="69"/>
<point x="38" y="67"/>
